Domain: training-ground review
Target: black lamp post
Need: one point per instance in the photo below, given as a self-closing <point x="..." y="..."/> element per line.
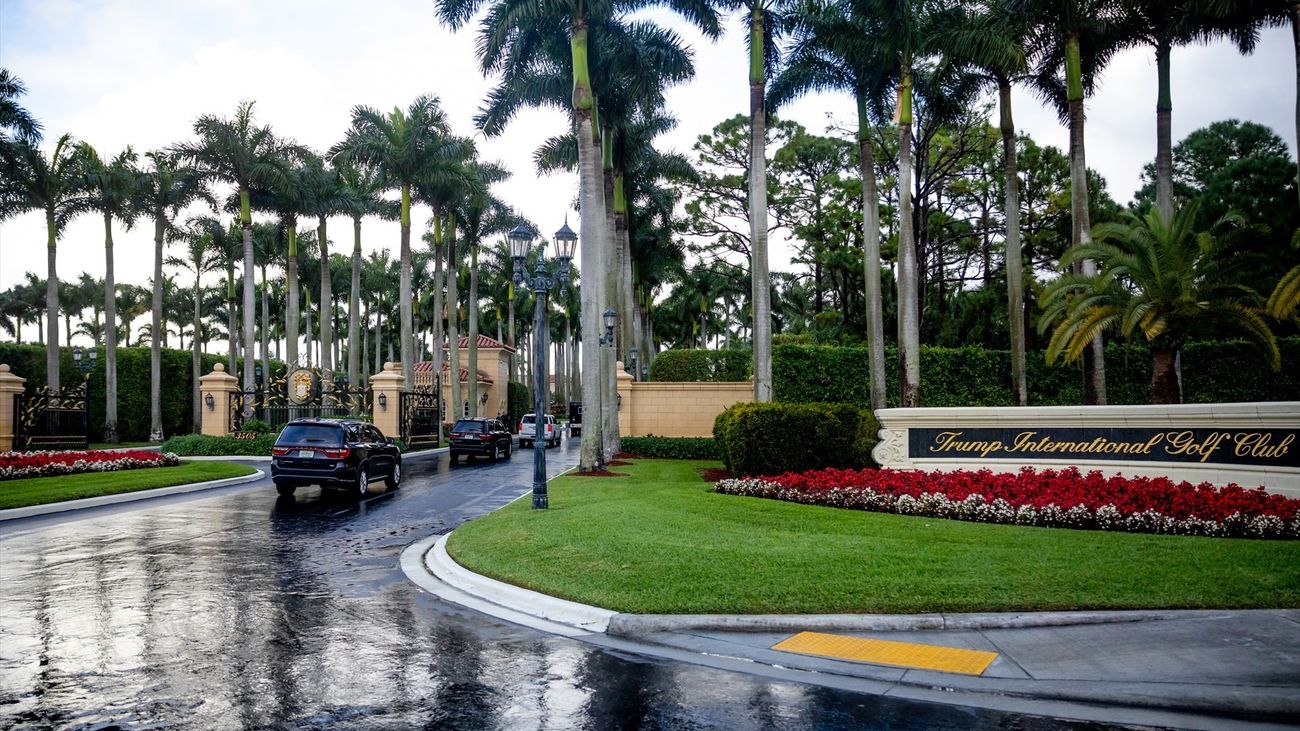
<point x="521" y="240"/>
<point x="632" y="356"/>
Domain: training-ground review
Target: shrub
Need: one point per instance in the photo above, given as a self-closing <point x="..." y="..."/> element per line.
<point x="259" y="426"/>
<point x="701" y="365"/>
<point x="1212" y="372"/>
<point x="771" y="438"/>
<point x="517" y="404"/>
<point x="670" y="447"/>
<point x="195" y="445"/>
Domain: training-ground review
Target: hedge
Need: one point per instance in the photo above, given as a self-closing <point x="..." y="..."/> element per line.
<point x="1213" y="372"/>
<point x="198" y="445"/>
<point x="518" y="403"/>
<point x="701" y="365"/>
<point x="670" y="447"/>
<point x="772" y="438"/>
<point x="28" y="361"/>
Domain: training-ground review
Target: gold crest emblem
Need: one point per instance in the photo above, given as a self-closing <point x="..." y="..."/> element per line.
<point x="300" y="386"/>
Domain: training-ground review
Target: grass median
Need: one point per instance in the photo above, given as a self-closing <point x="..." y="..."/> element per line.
<point x="659" y="541"/>
<point x="42" y="490"/>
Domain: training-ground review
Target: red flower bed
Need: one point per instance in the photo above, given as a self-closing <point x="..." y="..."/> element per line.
<point x="19" y="465"/>
<point x="1064" y="498"/>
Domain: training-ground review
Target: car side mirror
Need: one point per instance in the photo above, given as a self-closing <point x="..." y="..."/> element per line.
<point x="388" y="440"/>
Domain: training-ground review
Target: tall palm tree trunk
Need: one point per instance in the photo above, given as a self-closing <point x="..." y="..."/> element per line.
<point x="110" y="336"/>
<point x="1015" y="262"/>
<point x="51" y="303"/>
<point x="404" y="289"/>
<point x="306" y="293"/>
<point x="439" y="305"/>
<point x="326" y="307"/>
<point x="266" y="329"/>
<point x="453" y="318"/>
<point x="1164" y="137"/>
<point x="354" y="309"/>
<point x="591" y="454"/>
<point x="232" y="335"/>
<point x="1094" y="362"/>
<point x="759" y="275"/>
<point x="1295" y="42"/>
<point x="292" y="313"/>
<point x="196" y="358"/>
<point x="473" y="328"/>
<point x="155" y="342"/>
<point x="610" y="274"/>
<point x="250" y="276"/>
<point x="871" y="256"/>
<point x="909" y="319"/>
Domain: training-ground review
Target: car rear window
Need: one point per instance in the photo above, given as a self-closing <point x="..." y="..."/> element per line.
<point x="464" y="426"/>
<point x="528" y="419"/>
<point x="327" y="435"/>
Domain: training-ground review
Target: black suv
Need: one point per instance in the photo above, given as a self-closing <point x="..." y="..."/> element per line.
<point x="486" y="437"/>
<point x="334" y="453"/>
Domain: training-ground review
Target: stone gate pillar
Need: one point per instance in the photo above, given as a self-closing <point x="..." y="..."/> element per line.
<point x="386" y="399"/>
<point x="10" y="387"/>
<point x="215" y="390"/>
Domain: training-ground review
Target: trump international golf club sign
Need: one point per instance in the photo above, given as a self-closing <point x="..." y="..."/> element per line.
<point x="1254" y="447"/>
<point x="1251" y="444"/>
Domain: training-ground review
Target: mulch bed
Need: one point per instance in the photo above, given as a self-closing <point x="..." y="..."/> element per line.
<point x="713" y="474"/>
<point x="618" y="463"/>
<point x="600" y="473"/>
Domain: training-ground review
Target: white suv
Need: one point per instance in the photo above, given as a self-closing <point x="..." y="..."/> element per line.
<point x="527" y="432"/>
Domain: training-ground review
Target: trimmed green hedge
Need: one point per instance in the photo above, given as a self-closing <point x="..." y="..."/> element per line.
<point x="701" y="365"/>
<point x="670" y="447"/>
<point x="198" y="445"/>
<point x="517" y="404"/>
<point x="1212" y="372"/>
<point x="771" y="438"/>
<point x="28" y="361"/>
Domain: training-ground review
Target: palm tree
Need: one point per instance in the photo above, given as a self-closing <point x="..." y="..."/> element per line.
<point x="1082" y="35"/>
<point x="55" y="185"/>
<point x="359" y="196"/>
<point x="287" y="200"/>
<point x="483" y="215"/>
<point x="994" y="47"/>
<point x="166" y="189"/>
<point x="202" y="256"/>
<point x="13" y="117"/>
<point x="1161" y="279"/>
<point x="113" y="187"/>
<point x="407" y="148"/>
<point x="836" y="46"/>
<point x="239" y="152"/>
<point x="322" y="199"/>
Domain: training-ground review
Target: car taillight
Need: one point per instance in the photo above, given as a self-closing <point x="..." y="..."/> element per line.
<point x="484" y="437"/>
<point x="521" y="426"/>
<point x="455" y="435"/>
<point x="279" y="451"/>
<point x="337" y="453"/>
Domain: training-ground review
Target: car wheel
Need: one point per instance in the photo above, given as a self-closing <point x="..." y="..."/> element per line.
<point x="496" y="453"/>
<point x="509" y="447"/>
<point x="363" y="482"/>
<point x="395" y="477"/>
<point x="285" y="490"/>
<point x="454" y="456"/>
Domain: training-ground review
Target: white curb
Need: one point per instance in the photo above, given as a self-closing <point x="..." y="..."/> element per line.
<point x="124" y="497"/>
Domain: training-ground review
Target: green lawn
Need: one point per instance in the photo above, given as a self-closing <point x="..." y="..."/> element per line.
<point x="41" y="490"/>
<point x="659" y="541"/>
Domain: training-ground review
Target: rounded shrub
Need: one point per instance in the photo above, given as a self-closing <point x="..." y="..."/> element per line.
<point x="771" y="438"/>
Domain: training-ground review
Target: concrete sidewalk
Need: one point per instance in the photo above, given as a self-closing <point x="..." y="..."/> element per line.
<point x="1170" y="669"/>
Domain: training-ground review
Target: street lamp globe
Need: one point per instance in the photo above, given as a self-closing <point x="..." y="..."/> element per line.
<point x="611" y="319"/>
<point x="565" y="242"/>
<point x="521" y="240"/>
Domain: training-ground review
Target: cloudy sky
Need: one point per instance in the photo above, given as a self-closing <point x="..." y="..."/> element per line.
<point x="138" y="72"/>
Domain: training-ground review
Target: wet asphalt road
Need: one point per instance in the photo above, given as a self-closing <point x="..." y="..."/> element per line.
<point x="230" y="609"/>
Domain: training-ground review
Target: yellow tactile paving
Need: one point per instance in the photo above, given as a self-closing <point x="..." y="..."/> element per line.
<point x="888" y="652"/>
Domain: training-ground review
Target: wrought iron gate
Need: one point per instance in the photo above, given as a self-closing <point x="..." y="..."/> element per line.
<point x="52" y="420"/>
<point x="271" y="403"/>
<point x="419" y="417"/>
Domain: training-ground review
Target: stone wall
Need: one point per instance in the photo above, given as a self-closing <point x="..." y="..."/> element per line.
<point x="1251" y="444"/>
<point x="672" y="409"/>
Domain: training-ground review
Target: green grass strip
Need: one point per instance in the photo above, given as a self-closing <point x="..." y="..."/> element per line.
<point x="42" y="490"/>
<point x="659" y="541"/>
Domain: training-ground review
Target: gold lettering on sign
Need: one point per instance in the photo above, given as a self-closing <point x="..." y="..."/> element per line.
<point x="1184" y="443"/>
<point x="947" y="442"/>
<point x="1255" y="444"/>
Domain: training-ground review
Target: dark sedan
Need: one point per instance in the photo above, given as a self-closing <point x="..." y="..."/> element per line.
<point x="334" y="453"/>
<point x="482" y="437"/>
